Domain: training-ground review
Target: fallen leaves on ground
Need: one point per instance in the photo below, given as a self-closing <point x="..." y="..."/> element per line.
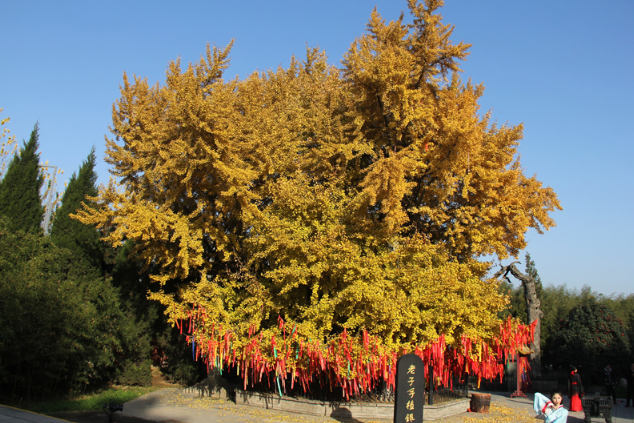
<point x="229" y="411"/>
<point x="497" y="413"/>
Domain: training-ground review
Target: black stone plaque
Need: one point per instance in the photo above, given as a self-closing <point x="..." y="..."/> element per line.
<point x="410" y="389"/>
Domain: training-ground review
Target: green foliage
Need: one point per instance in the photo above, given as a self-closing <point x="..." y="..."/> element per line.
<point x="66" y="328"/>
<point x="90" y="402"/>
<point x="83" y="240"/>
<point x="20" y="188"/>
<point x="630" y="333"/>
<point x="556" y="303"/>
<point x="84" y="243"/>
<point x="133" y="374"/>
<point x="592" y="336"/>
<point x="63" y="327"/>
<point x="138" y="329"/>
<point x="179" y="366"/>
<point x="129" y="276"/>
<point x="517" y="303"/>
<point x="186" y="374"/>
<point x="132" y="281"/>
<point x="622" y="305"/>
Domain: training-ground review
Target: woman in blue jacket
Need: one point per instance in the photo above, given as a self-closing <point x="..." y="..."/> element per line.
<point x="552" y="410"/>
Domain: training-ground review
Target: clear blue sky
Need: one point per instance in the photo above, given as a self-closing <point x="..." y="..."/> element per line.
<point x="563" y="68"/>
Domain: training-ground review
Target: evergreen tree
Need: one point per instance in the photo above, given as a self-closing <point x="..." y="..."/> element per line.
<point x="83" y="240"/>
<point x="20" y="188"/>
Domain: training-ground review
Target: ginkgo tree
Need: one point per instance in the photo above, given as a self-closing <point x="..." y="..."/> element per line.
<point x="319" y="219"/>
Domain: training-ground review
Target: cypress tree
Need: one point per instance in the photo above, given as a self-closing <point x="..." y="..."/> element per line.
<point x="83" y="240"/>
<point x="20" y="188"/>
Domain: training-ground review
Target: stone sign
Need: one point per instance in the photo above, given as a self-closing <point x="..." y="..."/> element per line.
<point x="410" y="389"/>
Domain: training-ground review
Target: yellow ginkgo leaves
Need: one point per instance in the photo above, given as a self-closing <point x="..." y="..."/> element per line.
<point x="354" y="199"/>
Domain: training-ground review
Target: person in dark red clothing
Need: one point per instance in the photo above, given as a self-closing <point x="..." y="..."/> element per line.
<point x="575" y="390"/>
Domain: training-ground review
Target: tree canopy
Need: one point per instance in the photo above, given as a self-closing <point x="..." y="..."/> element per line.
<point x="341" y="210"/>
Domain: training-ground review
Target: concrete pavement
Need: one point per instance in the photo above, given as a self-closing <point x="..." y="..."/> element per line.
<point x="15" y="415"/>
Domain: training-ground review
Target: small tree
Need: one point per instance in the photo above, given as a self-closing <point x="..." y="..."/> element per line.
<point x="20" y="188"/>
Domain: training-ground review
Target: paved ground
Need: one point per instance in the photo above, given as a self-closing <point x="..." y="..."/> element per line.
<point x="14" y="415"/>
<point x="176" y="406"/>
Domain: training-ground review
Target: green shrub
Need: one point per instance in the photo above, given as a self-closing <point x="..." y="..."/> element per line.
<point x="64" y="330"/>
<point x="133" y="374"/>
<point x="185" y="374"/>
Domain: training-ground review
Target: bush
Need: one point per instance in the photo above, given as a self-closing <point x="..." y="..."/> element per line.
<point x="179" y="366"/>
<point x="133" y="374"/>
<point x="185" y="374"/>
<point x="64" y="330"/>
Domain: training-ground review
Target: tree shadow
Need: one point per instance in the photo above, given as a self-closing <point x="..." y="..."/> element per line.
<point x="342" y="414"/>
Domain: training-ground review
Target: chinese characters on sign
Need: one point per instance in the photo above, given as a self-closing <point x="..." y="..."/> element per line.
<point x="410" y="389"/>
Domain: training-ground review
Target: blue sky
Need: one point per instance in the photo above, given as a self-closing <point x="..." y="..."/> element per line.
<point x="562" y="68"/>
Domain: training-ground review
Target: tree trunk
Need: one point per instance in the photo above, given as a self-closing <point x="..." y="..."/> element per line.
<point x="533" y="311"/>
